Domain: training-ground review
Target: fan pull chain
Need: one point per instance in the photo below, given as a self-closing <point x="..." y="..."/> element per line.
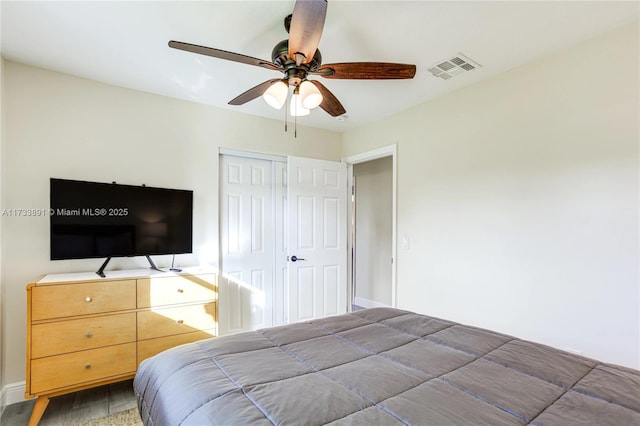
<point x="286" y="111"/>
<point x="295" y="112"/>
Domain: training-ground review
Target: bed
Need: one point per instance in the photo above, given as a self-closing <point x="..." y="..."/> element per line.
<point x="381" y="366"/>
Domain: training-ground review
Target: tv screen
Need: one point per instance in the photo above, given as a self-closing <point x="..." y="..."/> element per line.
<point x="91" y="220"/>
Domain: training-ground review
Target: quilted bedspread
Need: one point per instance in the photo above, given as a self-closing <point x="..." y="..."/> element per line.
<point x="381" y="367"/>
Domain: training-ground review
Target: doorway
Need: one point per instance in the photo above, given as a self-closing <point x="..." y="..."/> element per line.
<point x="372" y="244"/>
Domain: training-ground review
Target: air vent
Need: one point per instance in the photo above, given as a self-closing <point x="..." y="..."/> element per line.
<point x="452" y="67"/>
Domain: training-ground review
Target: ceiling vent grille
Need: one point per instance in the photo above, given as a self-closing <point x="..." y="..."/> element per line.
<point x="452" y="67"/>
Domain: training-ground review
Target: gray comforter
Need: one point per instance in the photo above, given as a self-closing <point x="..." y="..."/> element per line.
<point x="381" y="366"/>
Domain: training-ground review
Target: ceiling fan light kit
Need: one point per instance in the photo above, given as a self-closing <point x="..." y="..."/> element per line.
<point x="310" y="96"/>
<point x="276" y="94"/>
<point x="297" y="58"/>
<point x="296" y="108"/>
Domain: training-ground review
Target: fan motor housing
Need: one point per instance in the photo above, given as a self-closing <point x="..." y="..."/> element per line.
<point x="280" y="57"/>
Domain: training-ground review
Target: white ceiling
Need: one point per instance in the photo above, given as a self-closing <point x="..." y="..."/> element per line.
<point x="125" y="44"/>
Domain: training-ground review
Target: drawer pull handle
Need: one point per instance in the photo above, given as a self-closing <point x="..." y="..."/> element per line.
<point x="88" y="334"/>
<point x="88" y="366"/>
<point x="180" y="321"/>
<point x="88" y="299"/>
<point x="180" y="290"/>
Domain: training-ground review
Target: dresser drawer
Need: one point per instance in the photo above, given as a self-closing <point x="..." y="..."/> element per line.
<point x="57" y="301"/>
<point x="160" y="291"/>
<point x="151" y="347"/>
<point x="80" y="367"/>
<point x="169" y="321"/>
<point x="76" y="335"/>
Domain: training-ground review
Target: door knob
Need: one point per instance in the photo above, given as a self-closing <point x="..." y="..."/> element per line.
<point x="296" y="258"/>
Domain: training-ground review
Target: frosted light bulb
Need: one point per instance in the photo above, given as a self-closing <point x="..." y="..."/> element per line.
<point x="276" y="94"/>
<point x="310" y="95"/>
<point x="297" y="110"/>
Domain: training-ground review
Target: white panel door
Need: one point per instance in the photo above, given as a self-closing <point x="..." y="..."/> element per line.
<point x="317" y="249"/>
<point x="247" y="244"/>
<point x="280" y="297"/>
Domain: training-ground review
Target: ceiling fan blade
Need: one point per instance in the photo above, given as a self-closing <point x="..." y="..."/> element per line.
<point x="367" y="71"/>
<point x="330" y="103"/>
<point x="306" y="27"/>
<point x="253" y="93"/>
<point x="223" y="54"/>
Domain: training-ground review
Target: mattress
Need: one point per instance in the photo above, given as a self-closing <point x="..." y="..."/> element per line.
<point x="381" y="366"/>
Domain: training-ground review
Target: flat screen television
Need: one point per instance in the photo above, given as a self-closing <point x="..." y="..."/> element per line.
<point x="104" y="220"/>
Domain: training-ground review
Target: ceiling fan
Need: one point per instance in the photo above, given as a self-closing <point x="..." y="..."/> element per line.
<point x="298" y="58"/>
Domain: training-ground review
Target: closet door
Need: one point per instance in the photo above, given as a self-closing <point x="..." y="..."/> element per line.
<point x="271" y="211"/>
<point x="317" y="223"/>
<point x="247" y="244"/>
<point x="280" y="295"/>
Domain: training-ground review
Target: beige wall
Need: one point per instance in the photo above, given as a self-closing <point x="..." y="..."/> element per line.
<point x="62" y="126"/>
<point x="520" y="198"/>
<point x="374" y="204"/>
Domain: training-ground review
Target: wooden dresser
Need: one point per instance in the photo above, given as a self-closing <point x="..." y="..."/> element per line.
<point x="85" y="331"/>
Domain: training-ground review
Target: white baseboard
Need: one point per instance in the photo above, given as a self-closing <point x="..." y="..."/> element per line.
<point x="11" y="393"/>
<point x="366" y="303"/>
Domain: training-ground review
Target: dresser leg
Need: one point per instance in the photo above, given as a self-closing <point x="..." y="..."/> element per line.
<point x="38" y="410"/>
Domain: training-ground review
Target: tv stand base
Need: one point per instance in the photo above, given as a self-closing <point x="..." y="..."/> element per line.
<point x="100" y="271"/>
<point x="153" y="265"/>
<point x="104" y="265"/>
